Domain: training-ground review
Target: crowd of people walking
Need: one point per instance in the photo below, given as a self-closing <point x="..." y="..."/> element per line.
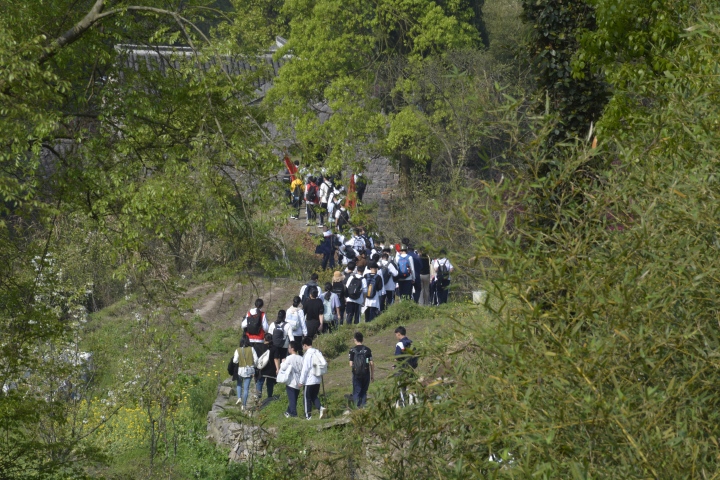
<point x="373" y="276"/>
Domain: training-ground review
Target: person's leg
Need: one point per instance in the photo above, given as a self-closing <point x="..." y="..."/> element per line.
<point x="306" y="402"/>
<point x="442" y="295"/>
<point x="358" y="310"/>
<point x="370" y="314"/>
<point x="433" y="293"/>
<point x="417" y="290"/>
<point x="259" y="385"/>
<point x="362" y="396"/>
<point x="326" y="258"/>
<point x="350" y="311"/>
<point x="357" y="387"/>
<point x="342" y="314"/>
<point x="314" y="396"/>
<point x="389" y="298"/>
<point x="383" y="298"/>
<point x="292" y="394"/>
<point x="406" y="290"/>
<point x="270" y="382"/>
<point x="246" y="381"/>
<point x="239" y="387"/>
<point x="424" y="296"/>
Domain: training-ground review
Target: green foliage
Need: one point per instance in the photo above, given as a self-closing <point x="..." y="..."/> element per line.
<point x="601" y="363"/>
<point x="576" y="97"/>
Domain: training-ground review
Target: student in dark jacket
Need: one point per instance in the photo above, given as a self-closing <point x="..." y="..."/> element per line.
<point x="314" y="313"/>
<point x="268" y="373"/>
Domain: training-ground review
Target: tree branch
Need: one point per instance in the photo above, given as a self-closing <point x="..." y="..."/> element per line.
<point x="75" y="32"/>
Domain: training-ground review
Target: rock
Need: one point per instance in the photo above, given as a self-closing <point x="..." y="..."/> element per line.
<point x="225" y="391"/>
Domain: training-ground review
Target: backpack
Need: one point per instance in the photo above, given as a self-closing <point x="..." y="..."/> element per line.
<point x="368" y="244"/>
<point x="372" y="286"/>
<point x="344" y="218"/>
<point x="263" y="360"/>
<point x="306" y="293"/>
<point x="404" y="267"/>
<point x="359" y="243"/>
<point x="338" y="289"/>
<point x="443" y="274"/>
<point x="349" y="252"/>
<point x="319" y="364"/>
<point x="279" y="335"/>
<point x="312" y="193"/>
<point x="361" y="363"/>
<point x="293" y="319"/>
<point x="254" y="323"/>
<point x="355" y="288"/>
<point x="327" y="304"/>
<point x="386" y="275"/>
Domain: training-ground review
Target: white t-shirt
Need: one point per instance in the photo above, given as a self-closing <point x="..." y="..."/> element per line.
<point x="393" y="272"/>
<point x="438" y="261"/>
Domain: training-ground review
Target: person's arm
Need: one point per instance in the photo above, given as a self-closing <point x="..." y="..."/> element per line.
<point x="302" y="322"/>
<point x="307" y="363"/>
<point x="372" y="371"/>
<point x="322" y="320"/>
<point x="289" y="332"/>
<point x="236" y="356"/>
<point x="264" y="322"/>
<point x="243" y="325"/>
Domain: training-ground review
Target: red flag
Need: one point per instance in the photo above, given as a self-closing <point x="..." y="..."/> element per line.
<point x="350" y="200"/>
<point x="291" y="167"/>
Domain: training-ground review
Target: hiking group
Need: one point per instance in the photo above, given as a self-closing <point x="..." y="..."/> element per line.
<point x="283" y="352"/>
<point x="374" y="276"/>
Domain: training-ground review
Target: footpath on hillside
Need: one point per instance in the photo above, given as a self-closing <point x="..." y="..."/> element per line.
<point x="240" y="431"/>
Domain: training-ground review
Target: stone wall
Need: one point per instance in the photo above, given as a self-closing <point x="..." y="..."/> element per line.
<point x="244" y="440"/>
<point x="383" y="180"/>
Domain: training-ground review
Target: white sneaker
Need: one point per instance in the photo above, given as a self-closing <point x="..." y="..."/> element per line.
<point x="238" y="401"/>
<point x="322" y="412"/>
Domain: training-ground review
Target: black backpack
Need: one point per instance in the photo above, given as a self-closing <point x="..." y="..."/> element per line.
<point x="306" y="293"/>
<point x="361" y="363"/>
<point x="254" y="323"/>
<point x="355" y="288"/>
<point x="312" y="193"/>
<point x="443" y="274"/>
<point x="368" y="245"/>
<point x="386" y="275"/>
<point x="279" y="336"/>
<point x="344" y="218"/>
<point x="338" y="288"/>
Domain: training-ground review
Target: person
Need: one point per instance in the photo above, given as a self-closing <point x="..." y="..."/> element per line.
<point x="355" y="285"/>
<point x="309" y="380"/>
<point x="338" y="288"/>
<point x="417" y="266"/>
<point x="424" y="277"/>
<point x="404" y="364"/>
<point x="388" y="271"/>
<point x="255" y="324"/>
<point x="245" y="358"/>
<point x="296" y="188"/>
<point x="328" y="249"/>
<point x="406" y="273"/>
<point x="374" y="288"/>
<point x="332" y="204"/>
<point x="282" y="338"/>
<point x="295" y="317"/>
<point x="357" y="241"/>
<point x="311" y="200"/>
<point x="268" y="373"/>
<point x="304" y="292"/>
<point x="443" y="268"/>
<point x="314" y="310"/>
<point x="331" y="304"/>
<point x="326" y="188"/>
<point x="362" y="368"/>
<point x="292" y="364"/>
<point x="342" y="217"/>
<point x="360" y="186"/>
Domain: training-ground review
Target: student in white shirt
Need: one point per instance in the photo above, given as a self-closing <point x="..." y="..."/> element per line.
<point x="353" y="306"/>
<point x="292" y="364"/>
<point x="310" y="381"/>
<point x="374" y="289"/>
<point x="296" y="318"/>
<point x="443" y="268"/>
<point x="388" y="269"/>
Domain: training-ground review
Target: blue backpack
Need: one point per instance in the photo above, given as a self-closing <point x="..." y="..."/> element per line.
<point x="404" y="267"/>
